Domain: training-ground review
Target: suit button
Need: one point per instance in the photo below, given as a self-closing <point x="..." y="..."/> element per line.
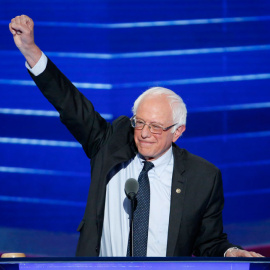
<point x="178" y="190"/>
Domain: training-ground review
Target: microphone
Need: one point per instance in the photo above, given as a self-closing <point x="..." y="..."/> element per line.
<point x="131" y="188"/>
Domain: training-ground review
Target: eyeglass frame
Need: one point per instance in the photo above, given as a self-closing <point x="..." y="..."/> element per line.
<point x="150" y="125"/>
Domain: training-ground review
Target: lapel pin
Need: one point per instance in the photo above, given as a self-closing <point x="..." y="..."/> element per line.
<point x="178" y="190"/>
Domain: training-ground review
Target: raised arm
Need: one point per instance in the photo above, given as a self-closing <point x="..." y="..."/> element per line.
<point x="22" y="29"/>
<point x="76" y="111"/>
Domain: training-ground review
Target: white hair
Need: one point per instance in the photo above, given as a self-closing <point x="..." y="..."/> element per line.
<point x="179" y="110"/>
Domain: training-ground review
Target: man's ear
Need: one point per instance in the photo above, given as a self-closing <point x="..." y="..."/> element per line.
<point x="179" y="131"/>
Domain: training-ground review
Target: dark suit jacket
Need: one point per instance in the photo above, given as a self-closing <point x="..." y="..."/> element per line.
<point x="195" y="224"/>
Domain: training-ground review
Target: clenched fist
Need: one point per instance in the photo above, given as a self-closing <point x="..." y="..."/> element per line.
<point x="22" y="29"/>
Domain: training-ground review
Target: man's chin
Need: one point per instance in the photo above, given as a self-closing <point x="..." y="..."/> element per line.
<point x="146" y="155"/>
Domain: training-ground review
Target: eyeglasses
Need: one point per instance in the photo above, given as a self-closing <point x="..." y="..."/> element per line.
<point x="154" y="128"/>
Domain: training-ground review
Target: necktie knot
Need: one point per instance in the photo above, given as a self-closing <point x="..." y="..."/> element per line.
<point x="147" y="166"/>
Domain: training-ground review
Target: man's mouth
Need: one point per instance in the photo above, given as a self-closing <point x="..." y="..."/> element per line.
<point x="145" y="142"/>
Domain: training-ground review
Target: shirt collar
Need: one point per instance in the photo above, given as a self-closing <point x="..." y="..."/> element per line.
<point x="160" y="163"/>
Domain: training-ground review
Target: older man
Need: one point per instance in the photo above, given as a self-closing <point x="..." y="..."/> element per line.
<point x="179" y="206"/>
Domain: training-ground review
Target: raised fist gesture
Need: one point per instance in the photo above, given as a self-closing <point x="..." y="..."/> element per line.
<point x="22" y="29"/>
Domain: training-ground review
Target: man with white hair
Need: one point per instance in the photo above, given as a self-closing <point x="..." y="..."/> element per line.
<point x="180" y="200"/>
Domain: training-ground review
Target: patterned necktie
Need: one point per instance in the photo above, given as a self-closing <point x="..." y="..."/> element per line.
<point x="141" y="214"/>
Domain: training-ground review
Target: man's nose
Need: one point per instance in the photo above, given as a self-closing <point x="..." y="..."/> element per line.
<point x="146" y="133"/>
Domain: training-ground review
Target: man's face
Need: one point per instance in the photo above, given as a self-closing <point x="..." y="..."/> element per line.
<point x="155" y="110"/>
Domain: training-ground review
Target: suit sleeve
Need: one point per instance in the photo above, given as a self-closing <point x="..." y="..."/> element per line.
<point x="76" y="111"/>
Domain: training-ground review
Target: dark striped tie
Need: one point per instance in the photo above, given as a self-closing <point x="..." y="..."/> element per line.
<point x="141" y="214"/>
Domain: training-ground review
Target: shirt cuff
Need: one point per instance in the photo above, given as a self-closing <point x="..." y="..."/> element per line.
<point x="39" y="67"/>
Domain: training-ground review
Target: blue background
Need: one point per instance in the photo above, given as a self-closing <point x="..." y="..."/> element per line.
<point x="214" y="54"/>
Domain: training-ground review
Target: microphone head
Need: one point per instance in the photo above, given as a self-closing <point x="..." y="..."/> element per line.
<point x="131" y="188"/>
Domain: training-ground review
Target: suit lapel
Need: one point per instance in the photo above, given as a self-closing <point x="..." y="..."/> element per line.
<point x="177" y="199"/>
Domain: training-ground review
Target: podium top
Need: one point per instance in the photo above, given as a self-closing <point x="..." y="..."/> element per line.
<point x="173" y="263"/>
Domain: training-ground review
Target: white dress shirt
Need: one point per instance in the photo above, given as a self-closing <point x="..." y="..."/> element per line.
<point x="115" y="231"/>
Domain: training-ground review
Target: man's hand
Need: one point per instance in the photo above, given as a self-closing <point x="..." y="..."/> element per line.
<point x="233" y="252"/>
<point x="22" y="29"/>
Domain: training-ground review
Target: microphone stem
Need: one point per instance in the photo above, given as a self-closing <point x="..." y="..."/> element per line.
<point x="131" y="227"/>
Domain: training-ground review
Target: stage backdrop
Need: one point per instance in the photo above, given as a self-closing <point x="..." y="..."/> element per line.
<point x="214" y="53"/>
